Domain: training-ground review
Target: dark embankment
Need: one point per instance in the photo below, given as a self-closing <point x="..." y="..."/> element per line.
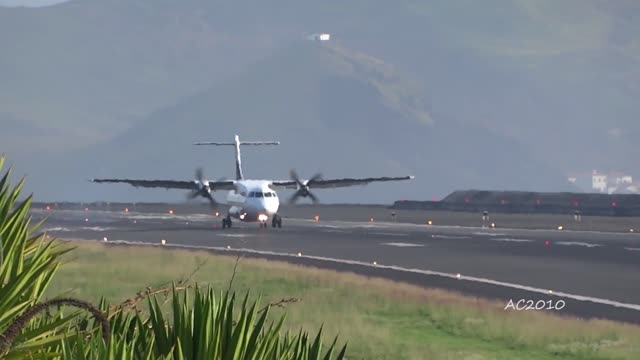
<point x="531" y="202"/>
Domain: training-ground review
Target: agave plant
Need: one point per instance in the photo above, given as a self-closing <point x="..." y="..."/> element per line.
<point x="199" y="325"/>
<point x="28" y="262"/>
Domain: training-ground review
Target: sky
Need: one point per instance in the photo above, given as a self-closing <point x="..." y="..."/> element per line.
<point x="30" y="3"/>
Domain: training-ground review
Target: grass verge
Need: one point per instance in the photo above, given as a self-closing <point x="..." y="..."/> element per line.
<point x="379" y="319"/>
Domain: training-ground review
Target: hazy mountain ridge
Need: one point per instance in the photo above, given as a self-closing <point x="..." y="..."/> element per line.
<point x="552" y="82"/>
<point x="338" y="111"/>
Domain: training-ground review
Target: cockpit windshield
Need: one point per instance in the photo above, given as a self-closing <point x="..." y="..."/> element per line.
<point x="258" y="194"/>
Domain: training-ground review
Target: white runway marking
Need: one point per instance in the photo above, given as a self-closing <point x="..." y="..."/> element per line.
<point x="632" y="249"/>
<point x="388" y="234"/>
<point x="449" y="237"/>
<point x="57" y="229"/>
<point x="235" y="235"/>
<point x="401" y="244"/>
<point x="189" y="217"/>
<point x="488" y="234"/>
<point x="512" y="240"/>
<point x="401" y="269"/>
<point x="335" y="231"/>
<point x="91" y="228"/>
<point x="576" y="243"/>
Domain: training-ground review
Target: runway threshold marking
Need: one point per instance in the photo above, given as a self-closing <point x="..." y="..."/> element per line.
<point x="400" y="269"/>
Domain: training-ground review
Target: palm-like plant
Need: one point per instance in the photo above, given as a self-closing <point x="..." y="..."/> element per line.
<point x="207" y="327"/>
<point x="200" y="325"/>
<point x="27" y="264"/>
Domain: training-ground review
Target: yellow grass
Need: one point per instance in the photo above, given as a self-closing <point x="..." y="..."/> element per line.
<point x="377" y="317"/>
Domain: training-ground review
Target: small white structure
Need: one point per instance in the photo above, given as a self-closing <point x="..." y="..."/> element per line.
<point x="624" y="180"/>
<point x="599" y="181"/>
<point x="320" y="37"/>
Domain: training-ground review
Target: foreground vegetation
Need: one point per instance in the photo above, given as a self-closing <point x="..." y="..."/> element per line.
<point x="381" y="319"/>
<point x="197" y="323"/>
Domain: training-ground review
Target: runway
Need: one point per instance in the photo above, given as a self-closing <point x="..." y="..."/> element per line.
<point x="597" y="273"/>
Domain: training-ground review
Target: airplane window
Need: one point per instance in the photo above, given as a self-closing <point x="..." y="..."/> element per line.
<point x="252" y="194"/>
<point x="267" y="194"/>
<point x="274" y="194"/>
<point x="259" y="194"/>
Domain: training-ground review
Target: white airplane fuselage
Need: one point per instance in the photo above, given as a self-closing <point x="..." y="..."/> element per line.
<point x="253" y="201"/>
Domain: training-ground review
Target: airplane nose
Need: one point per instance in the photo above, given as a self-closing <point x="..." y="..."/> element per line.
<point x="270" y="206"/>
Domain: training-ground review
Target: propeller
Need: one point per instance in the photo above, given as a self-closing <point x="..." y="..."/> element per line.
<point x="303" y="187"/>
<point x="203" y="189"/>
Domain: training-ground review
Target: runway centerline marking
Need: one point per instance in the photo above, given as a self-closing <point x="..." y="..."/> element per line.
<point x="436" y="236"/>
<point x="388" y="234"/>
<point x="577" y="243"/>
<point x="512" y="240"/>
<point x="632" y="249"/>
<point x="401" y="244"/>
<point x="397" y="268"/>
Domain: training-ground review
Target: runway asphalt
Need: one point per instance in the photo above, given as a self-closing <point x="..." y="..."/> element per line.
<point x="596" y="273"/>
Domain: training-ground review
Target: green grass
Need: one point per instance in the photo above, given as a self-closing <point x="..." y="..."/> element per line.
<point x="379" y="319"/>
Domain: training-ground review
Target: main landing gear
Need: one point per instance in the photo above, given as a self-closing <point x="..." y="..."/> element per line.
<point x="226" y="222"/>
<point x="276" y="220"/>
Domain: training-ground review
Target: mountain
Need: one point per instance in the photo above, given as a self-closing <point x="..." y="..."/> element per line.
<point x="505" y="84"/>
<point x="334" y="109"/>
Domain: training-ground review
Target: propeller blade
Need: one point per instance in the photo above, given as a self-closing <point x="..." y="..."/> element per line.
<point x="313" y="198"/>
<point x="315" y="177"/>
<point x="294" y="197"/>
<point x="212" y="201"/>
<point x="199" y="174"/>
<point x="303" y="187"/>
<point x="193" y="194"/>
<point x="295" y="177"/>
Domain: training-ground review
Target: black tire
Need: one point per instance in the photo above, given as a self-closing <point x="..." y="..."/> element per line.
<point x="279" y="223"/>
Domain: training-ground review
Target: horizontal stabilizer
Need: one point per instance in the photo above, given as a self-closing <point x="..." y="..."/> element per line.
<point x="241" y="143"/>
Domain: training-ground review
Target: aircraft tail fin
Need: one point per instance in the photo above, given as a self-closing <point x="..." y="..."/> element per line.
<point x="237" y="143"/>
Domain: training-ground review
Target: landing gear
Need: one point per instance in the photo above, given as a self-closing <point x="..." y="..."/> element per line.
<point x="226" y="222"/>
<point x="276" y="220"/>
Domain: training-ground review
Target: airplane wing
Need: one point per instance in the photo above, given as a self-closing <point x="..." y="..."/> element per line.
<point x="170" y="184"/>
<point x="334" y="183"/>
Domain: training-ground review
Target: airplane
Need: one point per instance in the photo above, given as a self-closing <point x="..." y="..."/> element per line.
<point x="251" y="200"/>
